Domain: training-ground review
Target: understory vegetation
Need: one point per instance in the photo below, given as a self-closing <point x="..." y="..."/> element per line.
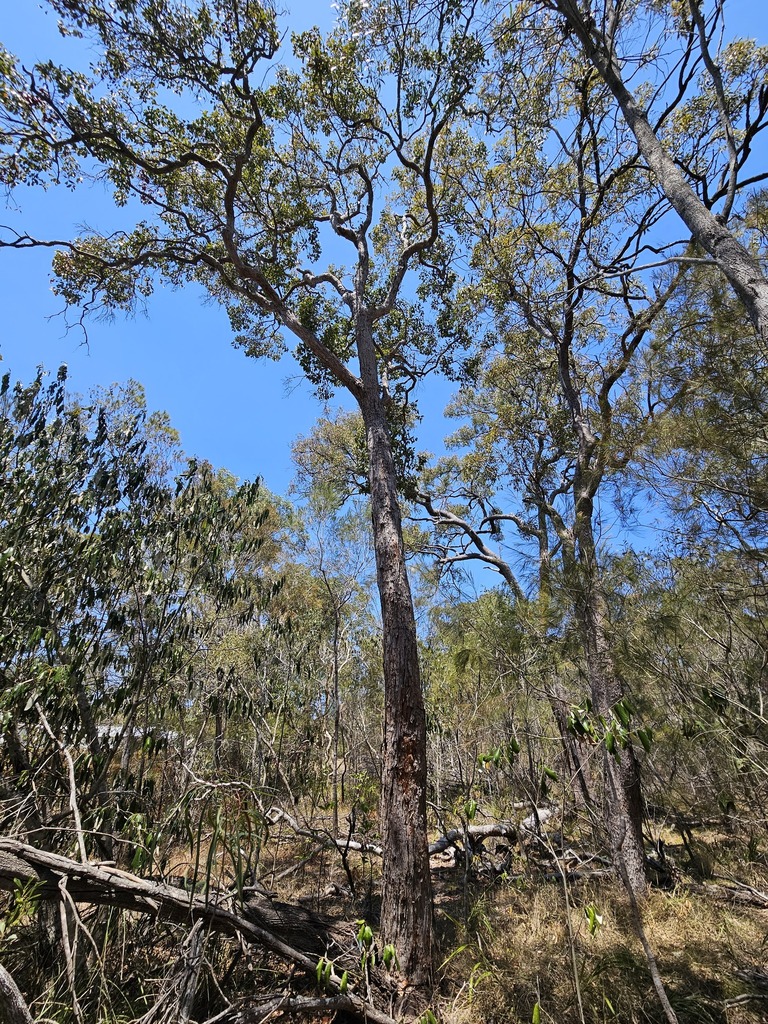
<point x="477" y="736"/>
<point x="192" y="696"/>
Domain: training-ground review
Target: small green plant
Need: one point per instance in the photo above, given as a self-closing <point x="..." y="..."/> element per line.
<point x="25" y="899"/>
<point x="389" y="956"/>
<point x="368" y="952"/>
<point x="365" y="941"/>
<point x="324" y="972"/>
<point x="616" y="730"/>
<point x="478" y="974"/>
<point x="594" y="920"/>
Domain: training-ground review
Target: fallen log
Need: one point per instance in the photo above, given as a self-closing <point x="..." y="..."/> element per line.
<point x="476" y="834"/>
<point x="282" y="927"/>
<point x="259" y="1011"/>
<point x="105" y="885"/>
<point x="739" y="893"/>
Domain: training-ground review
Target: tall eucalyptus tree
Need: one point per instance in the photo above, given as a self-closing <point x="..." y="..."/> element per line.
<point x="258" y="187"/>
<point x="576" y="256"/>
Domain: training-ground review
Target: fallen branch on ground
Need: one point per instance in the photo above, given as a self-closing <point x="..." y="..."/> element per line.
<point x="104" y="885"/>
<point x="476" y="833"/>
<point x="742" y="894"/>
<point x="256" y="1012"/>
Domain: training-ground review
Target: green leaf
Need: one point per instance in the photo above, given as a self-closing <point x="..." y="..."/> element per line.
<point x="389" y="956"/>
<point x="646" y="738"/>
<point x="594" y="920"/>
<point x="622" y="712"/>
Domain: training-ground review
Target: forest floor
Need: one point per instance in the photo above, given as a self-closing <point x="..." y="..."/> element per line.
<point x="535" y="943"/>
<point x="541" y="942"/>
<point x="536" y="937"/>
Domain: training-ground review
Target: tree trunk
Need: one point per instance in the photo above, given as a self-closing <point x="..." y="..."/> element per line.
<point x="579" y="769"/>
<point x="13" y="1009"/>
<point x="623" y="795"/>
<point x="734" y="260"/>
<point x="406" y="912"/>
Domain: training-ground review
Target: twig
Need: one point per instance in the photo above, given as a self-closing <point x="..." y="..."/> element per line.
<point x="178" y="992"/>
<point x="72" y="783"/>
<point x="69" y="950"/>
<point x="747" y="997"/>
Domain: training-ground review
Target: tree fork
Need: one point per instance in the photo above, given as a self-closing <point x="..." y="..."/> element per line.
<point x="738" y="265"/>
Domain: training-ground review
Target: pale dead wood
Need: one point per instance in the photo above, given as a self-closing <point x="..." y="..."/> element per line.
<point x="174" y="1005"/>
<point x="742" y="894"/>
<point x="106" y="885"/>
<point x="265" y="923"/>
<point x="277" y="814"/>
<point x="476" y="833"/>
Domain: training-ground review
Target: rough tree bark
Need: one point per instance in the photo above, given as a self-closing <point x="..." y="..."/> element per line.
<point x="13" y="1009"/>
<point x="623" y="794"/>
<point x="406" y="885"/>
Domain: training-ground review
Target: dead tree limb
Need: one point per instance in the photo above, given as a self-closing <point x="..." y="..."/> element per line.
<point x="254" y="1012"/>
<point x="476" y="833"/>
<point x="100" y="884"/>
<point x="276" y="814"/>
<point x="174" y="1005"/>
<point x="272" y="925"/>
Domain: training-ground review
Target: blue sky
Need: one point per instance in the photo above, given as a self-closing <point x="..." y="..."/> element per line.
<point x="236" y="412"/>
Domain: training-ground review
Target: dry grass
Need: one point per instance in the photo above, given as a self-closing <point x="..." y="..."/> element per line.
<point x="516" y="949"/>
<point x="506" y="945"/>
<point x="509" y="944"/>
